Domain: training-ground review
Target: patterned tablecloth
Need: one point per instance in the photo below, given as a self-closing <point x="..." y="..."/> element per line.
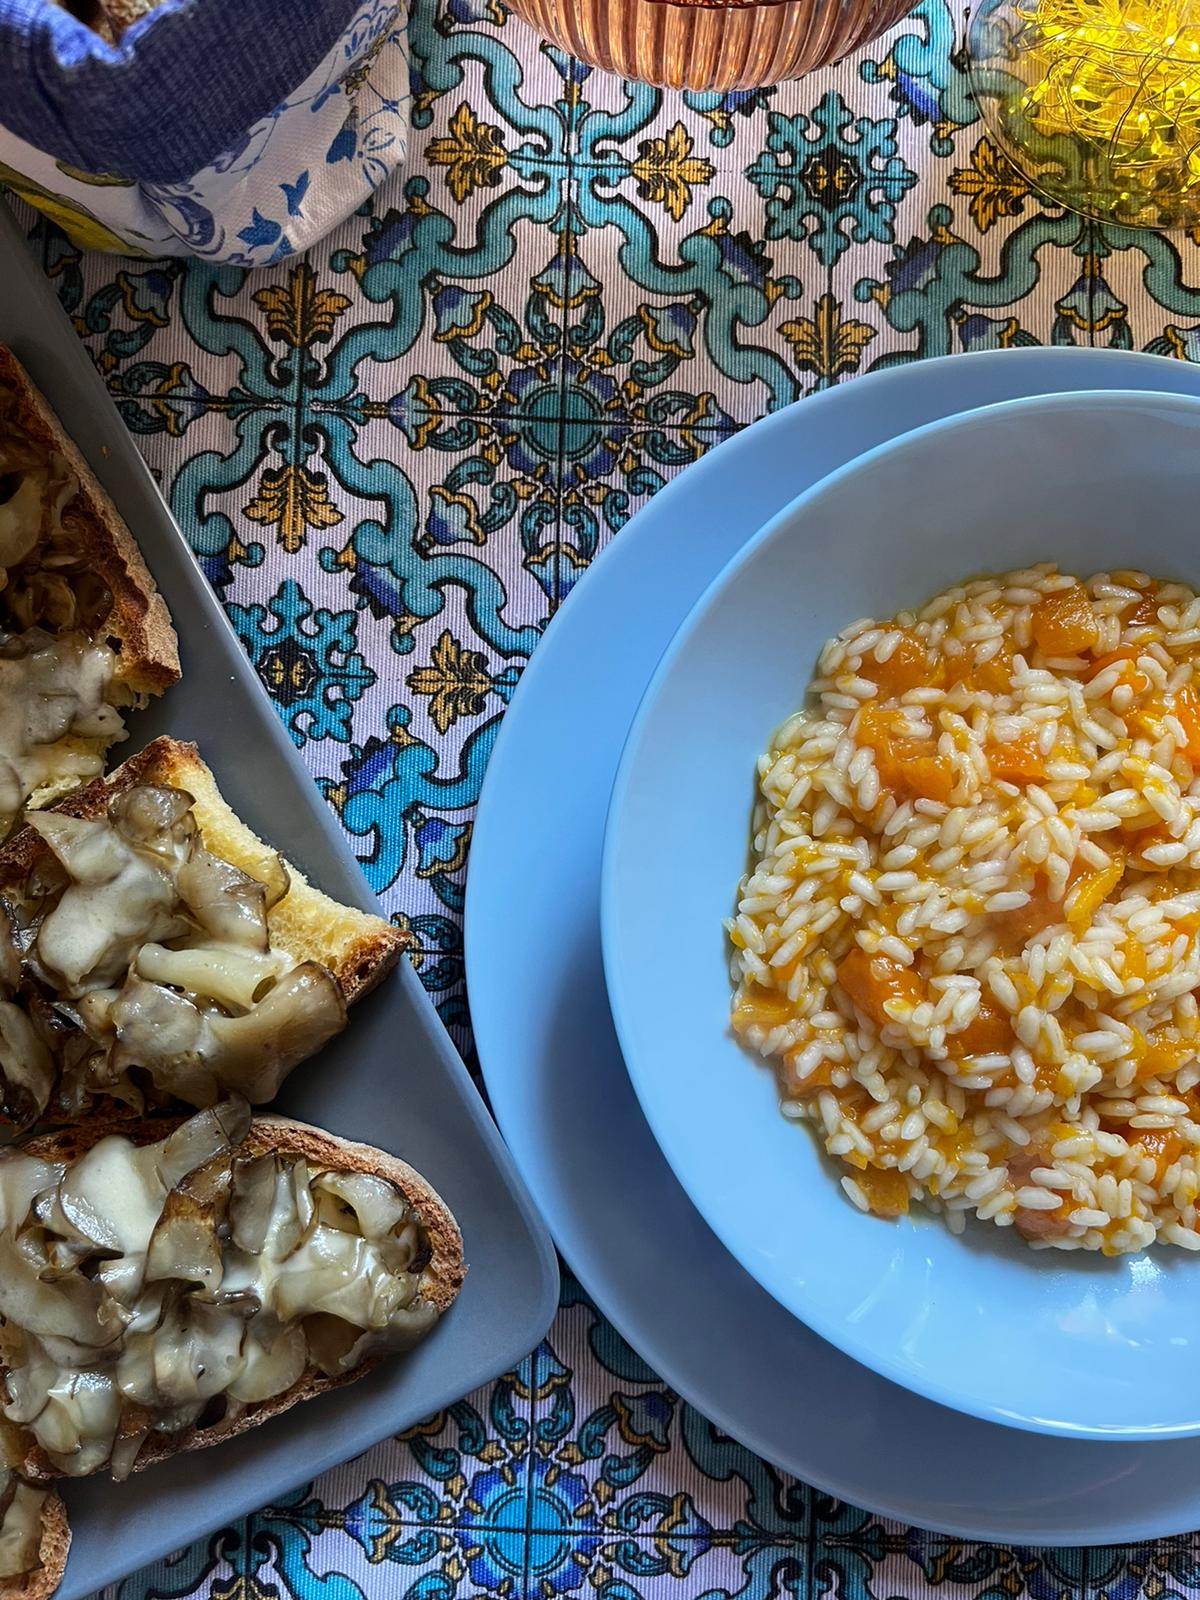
<point x="393" y="459"/>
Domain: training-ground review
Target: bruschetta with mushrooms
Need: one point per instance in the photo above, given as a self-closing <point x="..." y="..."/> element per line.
<point x="84" y="633"/>
<point x="153" y="950"/>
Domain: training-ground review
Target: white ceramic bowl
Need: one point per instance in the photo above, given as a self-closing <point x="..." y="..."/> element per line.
<point x="1063" y="1343"/>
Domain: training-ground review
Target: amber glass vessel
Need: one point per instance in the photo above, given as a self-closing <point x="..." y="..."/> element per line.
<point x="1096" y="102"/>
<point x="692" y="44"/>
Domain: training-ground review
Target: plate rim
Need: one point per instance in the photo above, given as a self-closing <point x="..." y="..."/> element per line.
<point x="1037" y="366"/>
<point x="653" y="1103"/>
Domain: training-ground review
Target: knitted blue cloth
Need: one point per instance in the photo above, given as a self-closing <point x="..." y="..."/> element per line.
<point x="179" y="88"/>
<point x="237" y="130"/>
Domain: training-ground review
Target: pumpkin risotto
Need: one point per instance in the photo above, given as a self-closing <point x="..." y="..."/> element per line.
<point x="970" y="941"/>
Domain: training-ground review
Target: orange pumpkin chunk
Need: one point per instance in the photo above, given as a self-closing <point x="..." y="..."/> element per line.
<point x="792" y="1087"/>
<point x="1135" y="959"/>
<point x="988" y="1032"/>
<point x="764" y="1009"/>
<point x="1018" y="761"/>
<point x="1043" y="1224"/>
<point x="929" y="777"/>
<point x="1144" y="610"/>
<point x="1162" y="1145"/>
<point x="1125" y="653"/>
<point x="1125" y="658"/>
<point x="886" y="1191"/>
<point x="993" y="676"/>
<point x="870" y="981"/>
<point x="1163" y="1055"/>
<point x="1087" y="895"/>
<point x="1038" y="912"/>
<point x="1187" y="710"/>
<point x="903" y="670"/>
<point x="1064" y="623"/>
<point x="905" y="765"/>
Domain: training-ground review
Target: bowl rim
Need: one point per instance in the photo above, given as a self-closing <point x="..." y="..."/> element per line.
<point x="838" y="1333"/>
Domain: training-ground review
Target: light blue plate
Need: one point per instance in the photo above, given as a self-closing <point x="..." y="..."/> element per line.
<point x="557" y="1081"/>
<point x="1058" y="1343"/>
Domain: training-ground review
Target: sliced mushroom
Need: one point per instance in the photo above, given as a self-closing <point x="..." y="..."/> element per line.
<point x="272" y="1209"/>
<point x="22" y="1179"/>
<point x="338" y="1273"/>
<point x="21" y="516"/>
<point x="10" y="955"/>
<point x="330" y="1341"/>
<point x="197" y="1056"/>
<point x="199" y="1140"/>
<point x="78" y="1424"/>
<point x="29" y="1373"/>
<point x="251" y="1202"/>
<point x="72" y="1236"/>
<point x="125" y="1450"/>
<point x="73" y="1309"/>
<point x="27" y="1070"/>
<point x="46" y="881"/>
<point x="114" y="1195"/>
<point x="300" y="1210"/>
<point x="236" y="978"/>
<point x="21" y="1528"/>
<point x="336" y="1346"/>
<point x="73" y="1415"/>
<point x="184" y="1246"/>
<point x="274" y="1357"/>
<point x="363" y="1203"/>
<point x="375" y="1205"/>
<point x="276" y="879"/>
<point x="155" y="817"/>
<point x="228" y="903"/>
<point x="123" y="1278"/>
<point x="93" y="1012"/>
<point x="85" y="846"/>
<point x="194" y="1354"/>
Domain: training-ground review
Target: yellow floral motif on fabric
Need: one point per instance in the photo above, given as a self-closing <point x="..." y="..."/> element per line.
<point x="828" y="344"/>
<point x="456" y="681"/>
<point x="292" y="499"/>
<point x="298" y="313"/>
<point x="667" y="172"/>
<point x="472" y="152"/>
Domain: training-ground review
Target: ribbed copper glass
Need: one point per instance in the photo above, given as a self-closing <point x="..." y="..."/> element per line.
<point x="700" y="45"/>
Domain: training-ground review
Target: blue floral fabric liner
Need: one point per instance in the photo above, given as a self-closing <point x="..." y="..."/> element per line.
<point x="394" y="458"/>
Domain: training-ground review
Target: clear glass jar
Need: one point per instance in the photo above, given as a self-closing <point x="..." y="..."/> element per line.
<point x="1096" y="102"/>
<point x="692" y="44"/>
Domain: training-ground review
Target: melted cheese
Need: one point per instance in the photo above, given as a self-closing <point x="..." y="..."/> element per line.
<point x="118" y="898"/>
<point x="51" y="690"/>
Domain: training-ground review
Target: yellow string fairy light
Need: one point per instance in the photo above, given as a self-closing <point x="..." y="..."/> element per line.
<point x="1113" y="83"/>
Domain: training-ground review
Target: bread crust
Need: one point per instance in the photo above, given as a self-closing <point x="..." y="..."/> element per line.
<point x="441" y="1279"/>
<point x="139" y="625"/>
<point x="41" y="1583"/>
<point x="364" y="959"/>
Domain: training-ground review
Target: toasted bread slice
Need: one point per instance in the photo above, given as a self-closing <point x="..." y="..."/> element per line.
<point x="41" y="1582"/>
<point x="440" y="1279"/>
<point x="138" y="627"/>
<point x="356" y="947"/>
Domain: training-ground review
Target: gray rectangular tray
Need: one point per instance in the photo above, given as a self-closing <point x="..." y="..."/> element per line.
<point x="393" y="1079"/>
